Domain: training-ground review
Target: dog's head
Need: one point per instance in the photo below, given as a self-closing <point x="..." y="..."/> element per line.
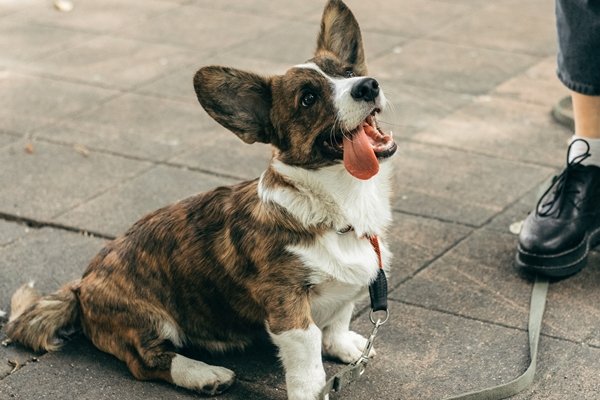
<point x="318" y="113"/>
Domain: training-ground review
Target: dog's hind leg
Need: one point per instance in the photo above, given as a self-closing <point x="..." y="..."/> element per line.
<point x="181" y="371"/>
<point x="199" y="376"/>
<point x="150" y="354"/>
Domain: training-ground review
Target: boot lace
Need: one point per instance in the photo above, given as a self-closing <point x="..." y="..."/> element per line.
<point x="560" y="188"/>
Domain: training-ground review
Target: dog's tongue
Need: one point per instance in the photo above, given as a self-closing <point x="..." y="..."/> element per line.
<point x="359" y="157"/>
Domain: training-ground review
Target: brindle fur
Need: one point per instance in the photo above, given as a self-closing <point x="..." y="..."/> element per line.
<point x="210" y="270"/>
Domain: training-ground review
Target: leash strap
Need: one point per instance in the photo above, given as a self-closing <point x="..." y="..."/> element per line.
<point x="536" y="312"/>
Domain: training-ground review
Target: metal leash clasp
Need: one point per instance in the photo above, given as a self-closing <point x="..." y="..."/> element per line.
<point x="354" y="370"/>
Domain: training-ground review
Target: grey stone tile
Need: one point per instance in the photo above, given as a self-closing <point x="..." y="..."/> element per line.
<point x="296" y="42"/>
<point x="283" y="8"/>
<point x="497" y="26"/>
<point x="81" y="371"/>
<point x="201" y="29"/>
<point x="113" y="61"/>
<point x="501" y="128"/>
<point x="22" y="41"/>
<point x="519" y="210"/>
<point x="576" y="377"/>
<point x="116" y="210"/>
<point x="179" y="83"/>
<point x="29" y="101"/>
<point x="458" y="186"/>
<point x="135" y="125"/>
<point x="47" y="256"/>
<point x="224" y="153"/>
<point x="538" y="85"/>
<point x="594" y="339"/>
<point x="477" y="279"/>
<point x="412" y="109"/>
<point x="6" y="139"/>
<point x="415" y="241"/>
<point x="423" y="354"/>
<point x="292" y="43"/>
<point x="37" y="185"/>
<point x="93" y="16"/>
<point x="50" y="257"/>
<point x="406" y="18"/>
<point x="451" y="67"/>
<point x="10" y="231"/>
<point x="573" y="308"/>
<point x="12" y="6"/>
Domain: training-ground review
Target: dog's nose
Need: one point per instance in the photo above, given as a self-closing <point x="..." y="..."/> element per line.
<point x="366" y="89"/>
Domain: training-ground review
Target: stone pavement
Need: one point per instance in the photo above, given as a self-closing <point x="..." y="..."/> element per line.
<point x="99" y="125"/>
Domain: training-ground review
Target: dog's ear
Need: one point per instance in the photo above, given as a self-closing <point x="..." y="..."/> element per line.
<point x="238" y="100"/>
<point x="340" y="35"/>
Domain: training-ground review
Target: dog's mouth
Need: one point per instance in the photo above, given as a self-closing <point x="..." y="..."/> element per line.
<point x="361" y="148"/>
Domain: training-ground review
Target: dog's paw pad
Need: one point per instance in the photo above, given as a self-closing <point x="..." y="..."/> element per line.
<point x="221" y="380"/>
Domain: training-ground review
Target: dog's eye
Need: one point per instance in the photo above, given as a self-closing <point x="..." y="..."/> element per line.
<point x="308" y="100"/>
<point x="349" y="73"/>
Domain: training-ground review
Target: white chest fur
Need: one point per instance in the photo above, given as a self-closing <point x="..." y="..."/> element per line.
<point x="341" y="265"/>
<point x="331" y="196"/>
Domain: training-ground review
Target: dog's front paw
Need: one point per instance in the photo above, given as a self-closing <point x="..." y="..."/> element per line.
<point x="346" y="346"/>
<point x="307" y="386"/>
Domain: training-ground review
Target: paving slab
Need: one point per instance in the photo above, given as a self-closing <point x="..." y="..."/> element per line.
<point x="81" y="371"/>
<point x="537" y="84"/>
<point x="114" y="62"/>
<point x="459" y="186"/>
<point x="22" y="41"/>
<point x="50" y="257"/>
<point x="222" y="152"/>
<point x="135" y="125"/>
<point x="179" y="83"/>
<point x="498" y="26"/>
<point x="412" y="109"/>
<point x="296" y="42"/>
<point x="410" y="19"/>
<point x="36" y="186"/>
<point x="288" y="9"/>
<point x="114" y="211"/>
<point x="575" y="377"/>
<point x="47" y="256"/>
<point x="10" y="231"/>
<point x="12" y="6"/>
<point x="414" y="242"/>
<point x="197" y="28"/>
<point x="520" y="209"/>
<point x="450" y="66"/>
<point x="477" y="279"/>
<point x="6" y="139"/>
<point x="424" y="354"/>
<point x="94" y="17"/>
<point x="501" y="128"/>
<point x="29" y="101"/>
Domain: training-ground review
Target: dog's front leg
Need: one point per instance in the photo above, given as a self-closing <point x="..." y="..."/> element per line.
<point x="339" y="341"/>
<point x="299" y="343"/>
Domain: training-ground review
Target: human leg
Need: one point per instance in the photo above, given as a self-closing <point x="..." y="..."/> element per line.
<point x="556" y="237"/>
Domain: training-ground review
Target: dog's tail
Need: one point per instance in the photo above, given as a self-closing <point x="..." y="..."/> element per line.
<point x="41" y="323"/>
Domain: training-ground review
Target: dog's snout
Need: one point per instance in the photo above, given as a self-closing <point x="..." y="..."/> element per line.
<point x="366" y="89"/>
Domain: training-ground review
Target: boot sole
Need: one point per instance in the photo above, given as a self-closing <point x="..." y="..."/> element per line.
<point x="558" y="265"/>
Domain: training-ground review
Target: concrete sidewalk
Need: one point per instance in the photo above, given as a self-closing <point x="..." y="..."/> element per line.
<point x="99" y="125"/>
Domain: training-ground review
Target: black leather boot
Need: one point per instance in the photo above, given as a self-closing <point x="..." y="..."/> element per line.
<point x="557" y="236"/>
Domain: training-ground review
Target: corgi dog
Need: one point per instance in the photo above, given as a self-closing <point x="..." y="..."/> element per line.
<point x="287" y="253"/>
